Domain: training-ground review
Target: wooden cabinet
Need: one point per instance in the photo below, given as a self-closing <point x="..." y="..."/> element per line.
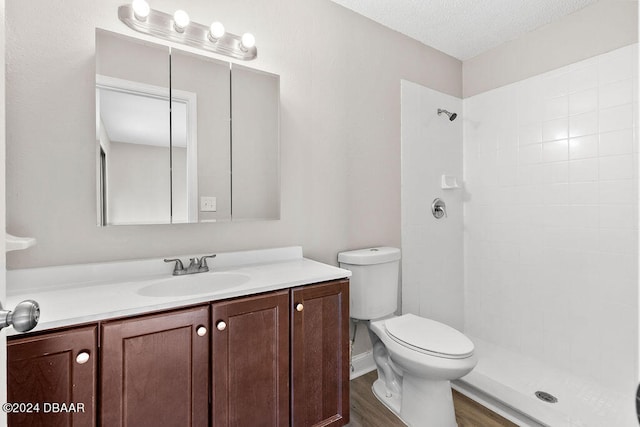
<point x="275" y="359"/>
<point x="320" y="354"/>
<point x="250" y="361"/>
<point x="49" y="369"/>
<point x="155" y="370"/>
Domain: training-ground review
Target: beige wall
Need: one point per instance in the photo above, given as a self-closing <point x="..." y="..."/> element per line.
<point x="596" y="29"/>
<point x="340" y="129"/>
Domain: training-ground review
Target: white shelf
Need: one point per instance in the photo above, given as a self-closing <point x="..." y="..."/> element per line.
<point x="14" y="243"/>
<point x="449" y="182"/>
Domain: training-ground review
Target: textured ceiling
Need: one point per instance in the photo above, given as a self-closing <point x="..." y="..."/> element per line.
<point x="464" y="28"/>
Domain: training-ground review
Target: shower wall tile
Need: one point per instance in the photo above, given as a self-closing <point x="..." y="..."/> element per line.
<point x="555" y="151"/>
<point x="529" y="133"/>
<point x="551" y="217"/>
<point x="617" y="142"/>
<point x="555" y="107"/>
<point x="555" y="84"/>
<point x="620" y="216"/>
<point x="617" y="240"/>
<point x="531" y="154"/>
<point x="615" y="167"/>
<point x="583" y="101"/>
<point x="583" y="124"/>
<point x="584" y="216"/>
<point x="615" y="94"/>
<point x="583" y="193"/>
<point x="614" y="66"/>
<point x="555" y="129"/>
<point x="616" y="118"/>
<point x="617" y="192"/>
<point x="584" y="147"/>
<point x="584" y="76"/>
<point x="583" y="170"/>
<point x="554" y="173"/>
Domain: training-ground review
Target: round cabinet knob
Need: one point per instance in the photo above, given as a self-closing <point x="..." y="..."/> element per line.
<point x="299" y="307"/>
<point x="221" y="325"/>
<point x="82" y="357"/>
<point x="201" y="331"/>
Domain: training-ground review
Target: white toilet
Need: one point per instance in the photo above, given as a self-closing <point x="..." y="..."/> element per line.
<point x="416" y="357"/>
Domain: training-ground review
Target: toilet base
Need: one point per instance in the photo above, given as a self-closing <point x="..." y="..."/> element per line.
<point x="427" y="403"/>
<point x="422" y="404"/>
<point x="391" y="402"/>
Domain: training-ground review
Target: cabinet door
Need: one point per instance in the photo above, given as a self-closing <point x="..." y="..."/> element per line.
<point x="250" y="357"/>
<point x="320" y="354"/>
<point x="155" y="370"/>
<point x="55" y="368"/>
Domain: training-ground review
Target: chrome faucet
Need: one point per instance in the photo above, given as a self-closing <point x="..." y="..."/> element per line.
<point x="195" y="265"/>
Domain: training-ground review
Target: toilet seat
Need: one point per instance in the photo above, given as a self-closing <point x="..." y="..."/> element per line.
<point x="429" y="337"/>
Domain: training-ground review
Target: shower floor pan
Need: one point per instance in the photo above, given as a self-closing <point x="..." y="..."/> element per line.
<point x="507" y="382"/>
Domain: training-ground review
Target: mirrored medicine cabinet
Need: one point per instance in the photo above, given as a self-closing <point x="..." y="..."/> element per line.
<point x="183" y="138"/>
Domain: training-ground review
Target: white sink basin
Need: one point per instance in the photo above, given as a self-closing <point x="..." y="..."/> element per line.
<point x="194" y="284"/>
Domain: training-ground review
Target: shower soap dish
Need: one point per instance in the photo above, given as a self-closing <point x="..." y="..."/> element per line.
<point x="449" y="182"/>
<point x="14" y="243"/>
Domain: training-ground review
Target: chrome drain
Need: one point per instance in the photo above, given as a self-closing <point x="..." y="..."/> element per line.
<point x="546" y="397"/>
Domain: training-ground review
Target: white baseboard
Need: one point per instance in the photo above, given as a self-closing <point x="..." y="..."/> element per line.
<point x="362" y="363"/>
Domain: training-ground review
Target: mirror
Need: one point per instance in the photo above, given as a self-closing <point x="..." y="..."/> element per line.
<point x="255" y="144"/>
<point x="212" y="156"/>
<point x="132" y="119"/>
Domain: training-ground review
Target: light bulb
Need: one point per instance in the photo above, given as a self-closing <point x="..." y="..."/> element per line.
<point x="141" y="9"/>
<point x="216" y="30"/>
<point x="248" y="41"/>
<point x="180" y="20"/>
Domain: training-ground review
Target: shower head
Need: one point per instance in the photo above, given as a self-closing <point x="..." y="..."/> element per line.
<point x="452" y="116"/>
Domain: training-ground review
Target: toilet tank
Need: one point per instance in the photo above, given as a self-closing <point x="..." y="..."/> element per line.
<point x="373" y="286"/>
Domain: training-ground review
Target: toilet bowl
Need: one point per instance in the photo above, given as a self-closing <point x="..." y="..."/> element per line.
<point x="416" y="358"/>
<point x="417" y="387"/>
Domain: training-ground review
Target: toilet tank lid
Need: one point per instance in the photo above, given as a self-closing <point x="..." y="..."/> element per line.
<point x="369" y="256"/>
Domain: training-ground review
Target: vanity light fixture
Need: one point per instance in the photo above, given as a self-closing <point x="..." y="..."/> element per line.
<point x="180" y="20"/>
<point x="216" y="31"/>
<point x="247" y="41"/>
<point x="141" y="9"/>
<point x="178" y="28"/>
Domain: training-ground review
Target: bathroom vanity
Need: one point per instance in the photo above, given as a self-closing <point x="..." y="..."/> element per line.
<point x="273" y="350"/>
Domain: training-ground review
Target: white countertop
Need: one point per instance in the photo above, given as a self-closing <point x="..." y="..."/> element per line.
<point x="69" y="303"/>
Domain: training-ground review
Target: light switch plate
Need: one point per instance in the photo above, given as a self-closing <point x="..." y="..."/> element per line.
<point x="207" y="204"/>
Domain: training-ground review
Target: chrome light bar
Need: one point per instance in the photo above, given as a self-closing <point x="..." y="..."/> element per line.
<point x="162" y="25"/>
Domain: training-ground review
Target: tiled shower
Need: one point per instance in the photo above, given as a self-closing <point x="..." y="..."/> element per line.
<point x="548" y="232"/>
<point x="551" y="217"/>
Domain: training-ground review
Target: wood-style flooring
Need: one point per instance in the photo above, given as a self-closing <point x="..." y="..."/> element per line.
<point x="367" y="411"/>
